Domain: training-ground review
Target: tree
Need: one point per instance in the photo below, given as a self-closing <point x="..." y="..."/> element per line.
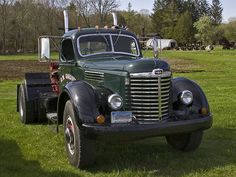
<point x="84" y="10"/>
<point x="129" y="7"/>
<point x="165" y="16"/>
<point x="102" y="8"/>
<point x="4" y="14"/>
<point x="216" y="12"/>
<point x="171" y="17"/>
<point x="137" y="22"/>
<point x="230" y="31"/>
<point x="205" y="30"/>
<point x="160" y="4"/>
<point x="197" y="8"/>
<point x="184" y="32"/>
<point x="203" y="8"/>
<point x="191" y="7"/>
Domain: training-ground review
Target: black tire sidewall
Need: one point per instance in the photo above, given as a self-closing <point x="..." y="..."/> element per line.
<point x="27" y="108"/>
<point x="21" y="103"/>
<point x="186" y="142"/>
<point x="69" y="111"/>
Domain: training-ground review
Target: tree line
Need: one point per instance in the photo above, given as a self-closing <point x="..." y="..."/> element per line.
<point x="187" y="21"/>
<point x="179" y="19"/>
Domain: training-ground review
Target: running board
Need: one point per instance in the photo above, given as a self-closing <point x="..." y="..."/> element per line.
<point x="52" y="120"/>
<point x="52" y="117"/>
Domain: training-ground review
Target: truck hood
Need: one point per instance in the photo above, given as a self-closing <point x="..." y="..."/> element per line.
<point x="129" y="64"/>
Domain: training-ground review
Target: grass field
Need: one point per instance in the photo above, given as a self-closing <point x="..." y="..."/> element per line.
<point x="36" y="150"/>
<point x="31" y="56"/>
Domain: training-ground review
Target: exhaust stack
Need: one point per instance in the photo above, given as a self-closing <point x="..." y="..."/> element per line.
<point x="66" y="20"/>
<point x="115" y="21"/>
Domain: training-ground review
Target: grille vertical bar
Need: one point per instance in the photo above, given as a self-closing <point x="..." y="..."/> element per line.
<point x="149" y="95"/>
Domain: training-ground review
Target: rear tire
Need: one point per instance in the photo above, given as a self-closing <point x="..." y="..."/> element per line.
<point x="80" y="150"/>
<point x="26" y="109"/>
<point x="186" y="142"/>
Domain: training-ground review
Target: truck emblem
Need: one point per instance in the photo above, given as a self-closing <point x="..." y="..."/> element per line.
<point x="157" y="71"/>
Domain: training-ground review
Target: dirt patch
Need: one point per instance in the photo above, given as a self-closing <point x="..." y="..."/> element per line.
<point x="184" y="66"/>
<point x="12" y="70"/>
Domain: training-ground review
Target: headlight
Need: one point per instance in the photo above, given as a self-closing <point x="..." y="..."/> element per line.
<point x="115" y="101"/>
<point x="186" y="97"/>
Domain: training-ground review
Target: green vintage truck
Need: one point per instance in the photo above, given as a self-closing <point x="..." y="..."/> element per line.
<point x="103" y="89"/>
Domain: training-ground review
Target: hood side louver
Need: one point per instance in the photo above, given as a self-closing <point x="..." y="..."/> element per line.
<point x="94" y="76"/>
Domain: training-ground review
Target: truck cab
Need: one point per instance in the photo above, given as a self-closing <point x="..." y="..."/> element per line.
<point x="102" y="89"/>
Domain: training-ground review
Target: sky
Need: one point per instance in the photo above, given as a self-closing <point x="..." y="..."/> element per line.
<point x="229" y="6"/>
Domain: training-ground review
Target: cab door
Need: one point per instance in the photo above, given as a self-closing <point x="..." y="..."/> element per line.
<point x="67" y="62"/>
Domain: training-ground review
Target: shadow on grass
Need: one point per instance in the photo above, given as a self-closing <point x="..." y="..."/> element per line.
<point x="155" y="157"/>
<point x="12" y="163"/>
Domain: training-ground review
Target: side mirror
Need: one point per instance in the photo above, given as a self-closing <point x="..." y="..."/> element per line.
<point x="155" y="47"/>
<point x="44" y="49"/>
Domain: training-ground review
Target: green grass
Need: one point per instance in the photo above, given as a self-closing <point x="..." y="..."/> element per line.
<point x="31" y="56"/>
<point x="35" y="150"/>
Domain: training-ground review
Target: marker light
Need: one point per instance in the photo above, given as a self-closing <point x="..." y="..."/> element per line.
<point x="100" y="119"/>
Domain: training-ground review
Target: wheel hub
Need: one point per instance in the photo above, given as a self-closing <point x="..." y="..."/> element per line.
<point x="70" y="135"/>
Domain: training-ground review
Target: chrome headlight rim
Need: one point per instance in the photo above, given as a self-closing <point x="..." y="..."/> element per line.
<point x="112" y="98"/>
<point x="186" y="97"/>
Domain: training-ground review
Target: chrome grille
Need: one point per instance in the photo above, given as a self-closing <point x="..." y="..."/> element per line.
<point x="149" y="95"/>
<point x="94" y="76"/>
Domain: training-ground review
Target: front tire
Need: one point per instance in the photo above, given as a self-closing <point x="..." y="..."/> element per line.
<point x="80" y="150"/>
<point x="186" y="142"/>
<point x="26" y="109"/>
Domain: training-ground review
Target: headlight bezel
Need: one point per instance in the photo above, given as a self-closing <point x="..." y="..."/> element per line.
<point x="112" y="98"/>
<point x="186" y="97"/>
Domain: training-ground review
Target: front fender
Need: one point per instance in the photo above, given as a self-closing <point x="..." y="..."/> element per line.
<point x="180" y="84"/>
<point x="83" y="98"/>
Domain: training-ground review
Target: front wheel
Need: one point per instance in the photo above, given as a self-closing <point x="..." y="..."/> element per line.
<point x="185" y="142"/>
<point x="80" y="150"/>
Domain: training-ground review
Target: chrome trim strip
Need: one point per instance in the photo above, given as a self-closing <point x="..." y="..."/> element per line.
<point x="149" y="108"/>
<point x="159" y="95"/>
<point x="147" y="96"/>
<point x="150" y="74"/>
<point x="148" y="100"/>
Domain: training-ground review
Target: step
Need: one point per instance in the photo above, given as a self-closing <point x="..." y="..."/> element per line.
<point x="52" y="117"/>
<point x="52" y="121"/>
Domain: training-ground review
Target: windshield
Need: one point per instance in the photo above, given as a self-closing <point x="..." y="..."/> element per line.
<point x="93" y="44"/>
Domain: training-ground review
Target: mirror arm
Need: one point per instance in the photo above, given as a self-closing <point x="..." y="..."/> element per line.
<point x="155" y="47"/>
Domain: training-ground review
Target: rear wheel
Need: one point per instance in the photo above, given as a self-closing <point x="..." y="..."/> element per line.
<point x="185" y="142"/>
<point x="25" y="108"/>
<point x="80" y="150"/>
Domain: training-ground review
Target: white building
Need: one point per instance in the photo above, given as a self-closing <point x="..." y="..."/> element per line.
<point x="162" y="43"/>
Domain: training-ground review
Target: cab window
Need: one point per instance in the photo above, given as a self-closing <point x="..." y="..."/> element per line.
<point x="67" y="50"/>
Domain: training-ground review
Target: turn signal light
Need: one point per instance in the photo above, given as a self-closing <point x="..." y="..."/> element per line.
<point x="204" y="111"/>
<point x="100" y="119"/>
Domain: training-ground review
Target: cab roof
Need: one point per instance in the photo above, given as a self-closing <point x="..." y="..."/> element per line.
<point x="84" y="31"/>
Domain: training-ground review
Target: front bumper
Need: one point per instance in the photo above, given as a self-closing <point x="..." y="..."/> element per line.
<point x="133" y="131"/>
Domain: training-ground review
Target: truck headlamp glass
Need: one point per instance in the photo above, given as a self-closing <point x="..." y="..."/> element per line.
<point x="186" y="97"/>
<point x="115" y="101"/>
